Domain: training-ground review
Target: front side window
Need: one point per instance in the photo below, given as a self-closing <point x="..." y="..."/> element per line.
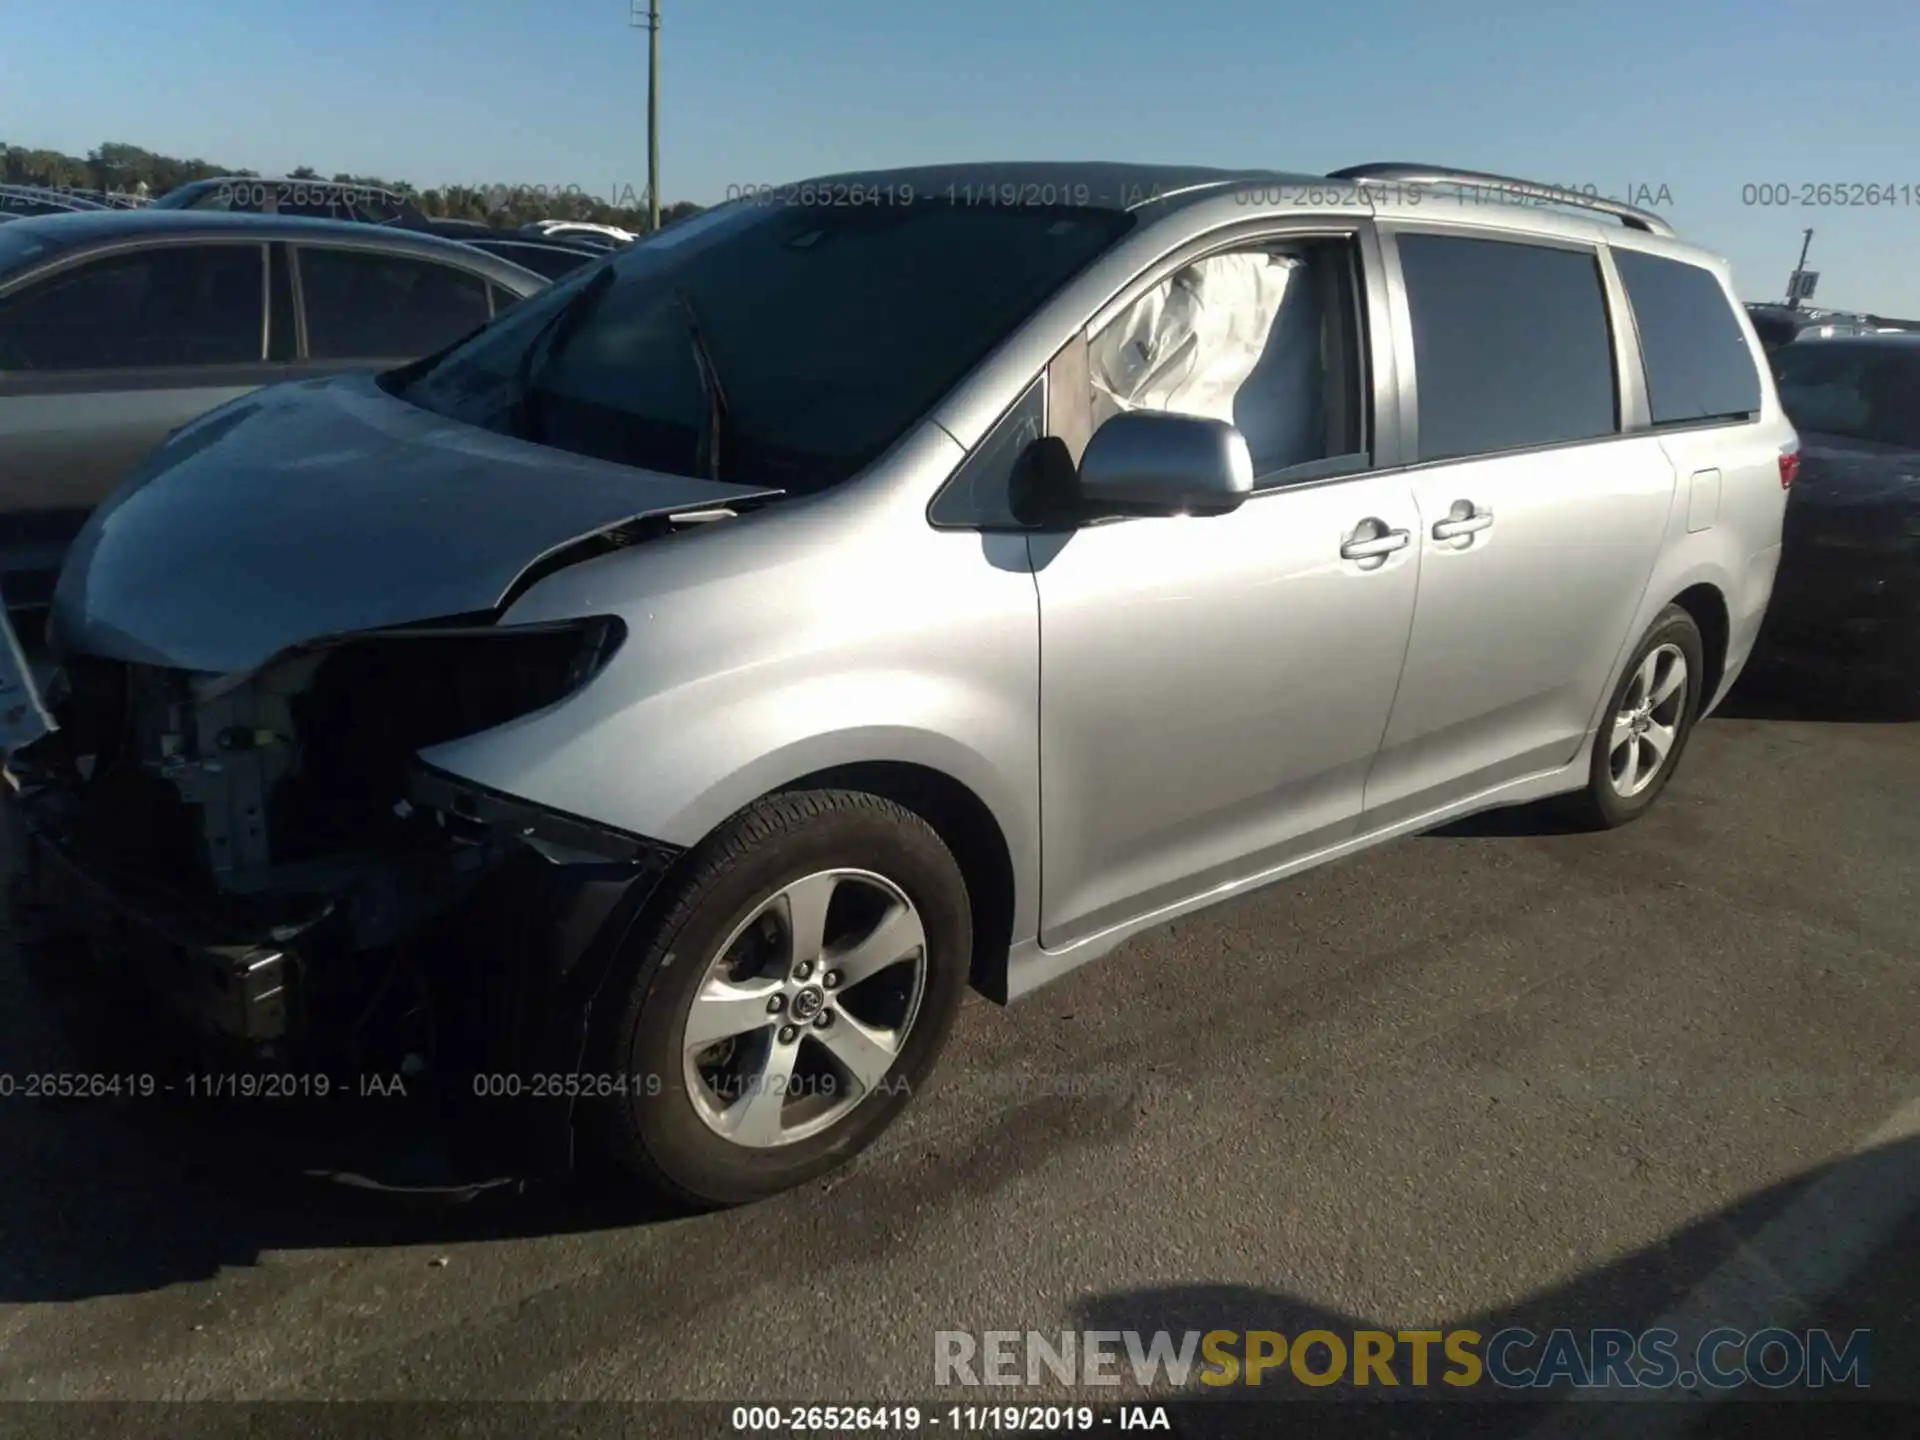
<point x="1862" y="392"/>
<point x="165" y="307"/>
<point x="1511" y="345"/>
<point x="1698" y="365"/>
<point x="1265" y="339"/>
<point x="362" y="305"/>
<point x="823" y="334"/>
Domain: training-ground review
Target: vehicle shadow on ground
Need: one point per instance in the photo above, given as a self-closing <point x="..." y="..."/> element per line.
<point x="1777" y="691"/>
<point x="1837" y="1248"/>
<point x="120" y="1196"/>
<point x="125" y="1197"/>
<point x="1766" y="694"/>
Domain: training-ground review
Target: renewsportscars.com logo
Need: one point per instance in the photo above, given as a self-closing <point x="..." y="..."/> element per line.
<point x="1511" y="1359"/>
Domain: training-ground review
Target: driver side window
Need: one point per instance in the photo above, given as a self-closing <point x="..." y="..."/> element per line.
<point x="1267" y="339"/>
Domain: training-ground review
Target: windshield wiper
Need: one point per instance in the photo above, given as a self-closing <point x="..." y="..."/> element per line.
<point x="547" y="342"/>
<point x="716" y="428"/>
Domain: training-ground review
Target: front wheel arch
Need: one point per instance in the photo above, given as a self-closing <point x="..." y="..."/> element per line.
<point x="969" y="829"/>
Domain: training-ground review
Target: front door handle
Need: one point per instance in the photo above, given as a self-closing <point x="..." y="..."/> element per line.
<point x="1466" y="519"/>
<point x="1372" y="540"/>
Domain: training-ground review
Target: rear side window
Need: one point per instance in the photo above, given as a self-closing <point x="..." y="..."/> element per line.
<point x="1511" y="345"/>
<point x="167" y="307"/>
<point x="362" y="305"/>
<point x="1696" y="356"/>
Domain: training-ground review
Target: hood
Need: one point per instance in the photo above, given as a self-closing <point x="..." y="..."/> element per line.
<point x="319" y="509"/>
<point x="1840" y="471"/>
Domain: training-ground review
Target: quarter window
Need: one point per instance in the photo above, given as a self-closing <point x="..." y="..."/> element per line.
<point x="166" y="307"/>
<point x="1511" y="345"/>
<point x="1698" y="363"/>
<point x="984" y="492"/>
<point x="362" y="305"/>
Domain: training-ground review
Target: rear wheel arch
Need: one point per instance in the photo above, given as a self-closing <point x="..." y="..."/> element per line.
<point x="1708" y="607"/>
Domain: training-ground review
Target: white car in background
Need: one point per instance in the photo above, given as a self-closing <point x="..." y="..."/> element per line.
<point x="581" y="230"/>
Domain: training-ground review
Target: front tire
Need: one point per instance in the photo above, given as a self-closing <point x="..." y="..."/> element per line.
<point x="1646" y="724"/>
<point x="797" y="988"/>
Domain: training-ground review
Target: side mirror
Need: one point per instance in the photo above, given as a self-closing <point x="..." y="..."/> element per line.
<point x="1145" y="462"/>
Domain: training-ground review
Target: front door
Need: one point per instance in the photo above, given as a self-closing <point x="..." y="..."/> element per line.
<point x="1213" y="690"/>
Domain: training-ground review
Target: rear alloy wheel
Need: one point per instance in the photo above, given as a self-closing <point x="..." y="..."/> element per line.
<point x="1645" y="727"/>
<point x="797" y="989"/>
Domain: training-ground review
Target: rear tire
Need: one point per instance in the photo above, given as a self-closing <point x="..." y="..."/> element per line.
<point x="759" y="1093"/>
<point x="1646" y="725"/>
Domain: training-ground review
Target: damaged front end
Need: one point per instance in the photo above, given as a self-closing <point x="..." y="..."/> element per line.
<point x="266" y="854"/>
<point x="219" y="794"/>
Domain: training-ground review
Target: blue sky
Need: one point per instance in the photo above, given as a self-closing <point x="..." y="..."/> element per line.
<point x="1701" y="97"/>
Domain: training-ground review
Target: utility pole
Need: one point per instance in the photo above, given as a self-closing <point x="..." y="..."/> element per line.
<point x="1793" y="281"/>
<point x="645" y="15"/>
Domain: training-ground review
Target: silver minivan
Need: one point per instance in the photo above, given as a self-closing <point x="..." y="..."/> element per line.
<point x="680" y="692"/>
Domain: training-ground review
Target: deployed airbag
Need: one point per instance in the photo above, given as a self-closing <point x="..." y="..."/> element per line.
<point x="1233" y="337"/>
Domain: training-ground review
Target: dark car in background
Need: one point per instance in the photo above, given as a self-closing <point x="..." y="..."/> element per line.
<point x="19" y="201"/>
<point x="1846" y="603"/>
<point x="1778" y="325"/>
<point x="310" y="199"/>
<point x="548" y="258"/>
<point x="316" y="199"/>
<point x="455" y="229"/>
<point x="119" y="326"/>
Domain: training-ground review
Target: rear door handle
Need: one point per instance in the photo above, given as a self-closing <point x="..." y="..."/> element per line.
<point x="1465" y="520"/>
<point x="1373" y="540"/>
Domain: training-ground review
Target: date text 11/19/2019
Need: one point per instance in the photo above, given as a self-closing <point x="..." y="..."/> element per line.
<point x="201" y="1085"/>
<point x="950" y="1419"/>
<point x="854" y="195"/>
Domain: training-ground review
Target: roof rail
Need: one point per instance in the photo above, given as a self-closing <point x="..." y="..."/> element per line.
<point x="1394" y="172"/>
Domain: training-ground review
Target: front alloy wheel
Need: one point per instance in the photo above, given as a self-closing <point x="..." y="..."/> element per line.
<point x="792" y="990"/>
<point x="806" y="1008"/>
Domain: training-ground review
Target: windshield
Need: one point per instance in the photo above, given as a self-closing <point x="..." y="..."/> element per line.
<point x="1864" y="391"/>
<point x="831" y="330"/>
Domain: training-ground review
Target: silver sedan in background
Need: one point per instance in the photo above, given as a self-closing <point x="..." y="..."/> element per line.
<point x="117" y="327"/>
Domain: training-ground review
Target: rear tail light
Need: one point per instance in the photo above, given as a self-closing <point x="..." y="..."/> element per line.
<point x="1789" y="467"/>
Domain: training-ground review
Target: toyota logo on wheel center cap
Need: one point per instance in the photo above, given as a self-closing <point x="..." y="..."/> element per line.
<point x="807" y="1003"/>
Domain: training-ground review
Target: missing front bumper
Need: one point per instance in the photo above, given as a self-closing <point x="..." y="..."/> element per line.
<point x="497" y="975"/>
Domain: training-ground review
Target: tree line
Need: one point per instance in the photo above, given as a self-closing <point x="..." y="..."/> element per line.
<point x="128" y="169"/>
